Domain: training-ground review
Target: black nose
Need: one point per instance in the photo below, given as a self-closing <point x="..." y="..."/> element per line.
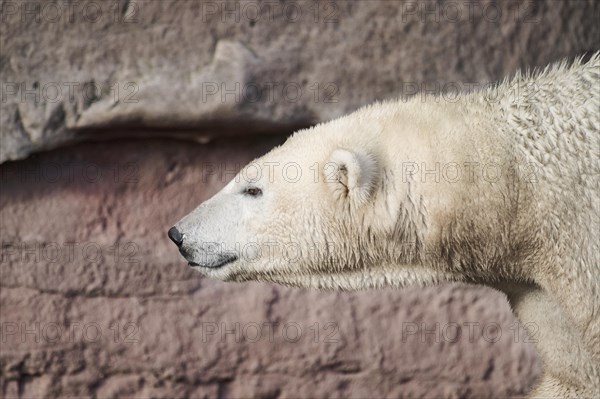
<point x="175" y="236"/>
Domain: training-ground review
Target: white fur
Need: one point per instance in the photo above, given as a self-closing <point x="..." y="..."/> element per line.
<point x="395" y="211"/>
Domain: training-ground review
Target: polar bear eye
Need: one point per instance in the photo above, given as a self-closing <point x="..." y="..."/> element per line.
<point x="253" y="191"/>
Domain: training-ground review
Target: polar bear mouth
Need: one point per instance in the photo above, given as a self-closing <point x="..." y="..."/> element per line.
<point x="217" y="264"/>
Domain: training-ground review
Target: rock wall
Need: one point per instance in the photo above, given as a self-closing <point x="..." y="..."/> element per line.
<point x="171" y="98"/>
<point x="202" y="69"/>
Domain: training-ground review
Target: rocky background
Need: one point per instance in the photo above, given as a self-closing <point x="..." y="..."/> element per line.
<point x="155" y="105"/>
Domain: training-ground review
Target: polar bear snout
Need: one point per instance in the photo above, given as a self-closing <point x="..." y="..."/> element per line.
<point x="175" y="236"/>
<point x="200" y="254"/>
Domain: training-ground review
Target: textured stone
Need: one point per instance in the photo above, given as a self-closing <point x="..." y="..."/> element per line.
<point x="193" y="69"/>
<point x="141" y="323"/>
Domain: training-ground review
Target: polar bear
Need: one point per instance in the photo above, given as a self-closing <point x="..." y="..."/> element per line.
<point x="498" y="187"/>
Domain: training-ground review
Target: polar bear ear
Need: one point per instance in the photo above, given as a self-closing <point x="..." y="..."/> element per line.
<point x="351" y="175"/>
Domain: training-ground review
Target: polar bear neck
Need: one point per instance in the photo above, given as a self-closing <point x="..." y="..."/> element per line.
<point x="437" y="225"/>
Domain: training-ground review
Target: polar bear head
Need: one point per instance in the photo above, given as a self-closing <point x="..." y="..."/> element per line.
<point x="312" y="209"/>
